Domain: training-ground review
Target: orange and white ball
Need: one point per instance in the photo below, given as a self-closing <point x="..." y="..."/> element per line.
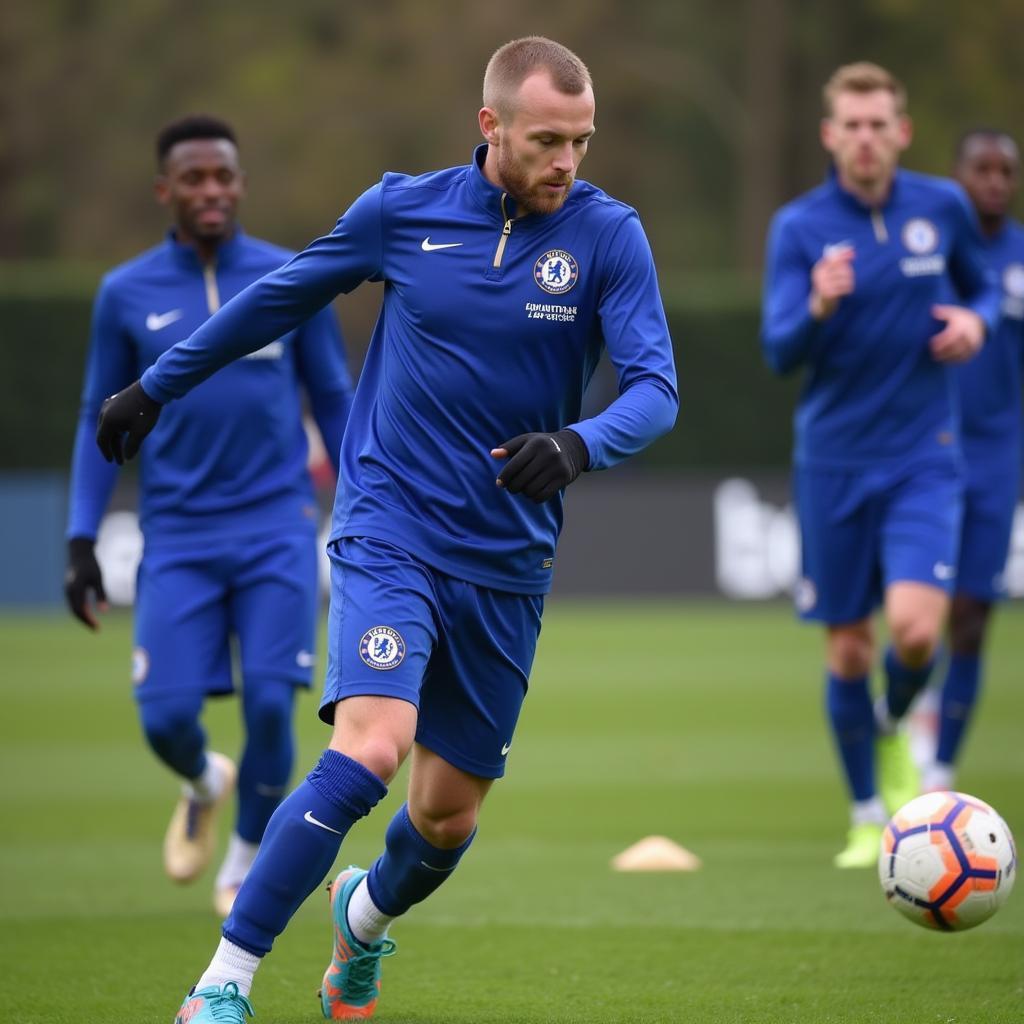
<point x="947" y="861"/>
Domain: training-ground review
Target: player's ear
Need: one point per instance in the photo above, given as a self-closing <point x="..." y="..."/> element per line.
<point x="162" y="190"/>
<point x="827" y="133"/>
<point x="906" y="130"/>
<point x="488" y="118"/>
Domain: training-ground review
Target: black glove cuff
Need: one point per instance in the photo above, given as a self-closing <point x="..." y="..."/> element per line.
<point x="81" y="547"/>
<point x="573" y="445"/>
<point x="147" y="405"/>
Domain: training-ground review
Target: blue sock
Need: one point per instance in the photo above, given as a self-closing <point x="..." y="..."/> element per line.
<point x="410" y="868"/>
<point x="172" y="729"/>
<point x="959" y="693"/>
<point x="299" y="847"/>
<point x="853" y="725"/>
<point x="904" y="684"/>
<point x="268" y="756"/>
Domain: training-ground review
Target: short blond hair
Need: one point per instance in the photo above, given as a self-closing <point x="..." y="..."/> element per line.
<point x="863" y="77"/>
<point x="514" y="62"/>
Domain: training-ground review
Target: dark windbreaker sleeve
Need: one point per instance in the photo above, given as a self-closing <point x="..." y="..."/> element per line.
<point x="973" y="277"/>
<point x="276" y="303"/>
<point x="637" y="338"/>
<point x="110" y="366"/>
<point x="323" y="371"/>
<point x="788" y="331"/>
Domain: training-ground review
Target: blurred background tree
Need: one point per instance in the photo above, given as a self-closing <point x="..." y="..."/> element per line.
<point x="707" y="121"/>
<point x="707" y="111"/>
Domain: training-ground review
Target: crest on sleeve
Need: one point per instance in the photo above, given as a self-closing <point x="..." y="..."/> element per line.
<point x="556" y="271"/>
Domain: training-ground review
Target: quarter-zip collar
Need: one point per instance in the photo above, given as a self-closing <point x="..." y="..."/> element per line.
<point x="489" y="197"/>
<point x="187" y="257"/>
<point x="855" y="202"/>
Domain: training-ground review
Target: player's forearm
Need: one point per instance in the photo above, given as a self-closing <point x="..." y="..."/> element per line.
<point x="330" y="413"/>
<point x="787" y="341"/>
<point x="641" y="414"/>
<point x="987" y="304"/>
<point x="92" y="481"/>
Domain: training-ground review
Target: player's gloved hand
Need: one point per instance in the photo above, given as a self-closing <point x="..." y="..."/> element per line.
<point x="130" y="412"/>
<point x="82" y="577"/>
<point x="540" y="465"/>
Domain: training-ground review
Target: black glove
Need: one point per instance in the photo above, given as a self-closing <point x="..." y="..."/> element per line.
<point x="540" y="465"/>
<point x="130" y="412"/>
<point x="83" y="575"/>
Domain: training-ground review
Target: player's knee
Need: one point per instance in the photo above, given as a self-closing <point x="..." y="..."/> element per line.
<point x="915" y="639"/>
<point x="167" y="725"/>
<point x="446" y="829"/>
<point x="379" y="754"/>
<point x="967" y="627"/>
<point x="850" y="654"/>
<point x="268" y="713"/>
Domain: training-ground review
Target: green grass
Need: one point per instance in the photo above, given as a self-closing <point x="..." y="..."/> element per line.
<point x="702" y="723"/>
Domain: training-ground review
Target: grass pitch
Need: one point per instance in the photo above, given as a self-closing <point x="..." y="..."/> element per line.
<point x="700" y="722"/>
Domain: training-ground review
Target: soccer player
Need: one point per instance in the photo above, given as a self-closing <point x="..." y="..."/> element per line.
<point x="855" y="277"/>
<point x="988" y="167"/>
<point x="504" y="280"/>
<point x="226" y="503"/>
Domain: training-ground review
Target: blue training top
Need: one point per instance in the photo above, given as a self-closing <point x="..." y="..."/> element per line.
<point x="491" y="326"/>
<point x="873" y="393"/>
<point x="990" y="384"/>
<point x="232" y="455"/>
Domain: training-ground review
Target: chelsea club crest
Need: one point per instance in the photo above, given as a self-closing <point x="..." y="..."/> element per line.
<point x="382" y="648"/>
<point x="556" y="271"/>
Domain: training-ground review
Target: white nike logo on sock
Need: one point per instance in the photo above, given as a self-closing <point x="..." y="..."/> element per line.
<point x="432" y="868"/>
<point x="319" y="824"/>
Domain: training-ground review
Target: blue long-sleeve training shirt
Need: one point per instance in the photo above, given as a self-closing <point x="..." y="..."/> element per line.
<point x="490" y="327"/>
<point x="990" y="384"/>
<point x="872" y="391"/>
<point x="232" y="455"/>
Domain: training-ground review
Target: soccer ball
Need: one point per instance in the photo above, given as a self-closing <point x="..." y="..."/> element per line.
<point x="947" y="861"/>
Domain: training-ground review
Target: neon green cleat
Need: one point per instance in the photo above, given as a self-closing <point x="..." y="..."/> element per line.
<point x="352" y="981"/>
<point x="215" y="1005"/>
<point x="863" y="844"/>
<point x="899" y="781"/>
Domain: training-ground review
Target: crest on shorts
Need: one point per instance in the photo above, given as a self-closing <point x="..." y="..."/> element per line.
<point x="140" y="665"/>
<point x="920" y="236"/>
<point x="382" y="648"/>
<point x="556" y="271"/>
<point x="805" y="594"/>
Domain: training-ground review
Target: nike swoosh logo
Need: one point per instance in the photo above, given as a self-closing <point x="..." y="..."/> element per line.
<point x="428" y="246"/>
<point x="158" y="321"/>
<point x="505" y="749"/>
<point x="319" y="824"/>
<point x="430" y="867"/>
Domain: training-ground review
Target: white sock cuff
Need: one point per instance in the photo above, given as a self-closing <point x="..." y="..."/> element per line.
<point x="230" y="963"/>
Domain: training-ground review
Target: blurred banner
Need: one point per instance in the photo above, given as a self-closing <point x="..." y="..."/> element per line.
<point x="627" y="533"/>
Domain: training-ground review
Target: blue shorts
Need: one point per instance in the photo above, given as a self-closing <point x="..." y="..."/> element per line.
<point x="862" y="530"/>
<point x="459" y="652"/>
<point x="989" y="506"/>
<point x="193" y="597"/>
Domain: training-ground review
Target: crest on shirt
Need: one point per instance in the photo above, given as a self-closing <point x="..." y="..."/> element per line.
<point x="382" y="648"/>
<point x="1013" y="280"/>
<point x="920" y="236"/>
<point x="556" y="271"/>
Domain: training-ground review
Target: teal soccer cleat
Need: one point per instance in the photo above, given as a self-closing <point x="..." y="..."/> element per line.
<point x="217" y="1005"/>
<point x="352" y="981"/>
